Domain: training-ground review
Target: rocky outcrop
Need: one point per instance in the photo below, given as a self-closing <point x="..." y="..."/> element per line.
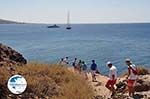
<point x="143" y="83"/>
<point x="142" y="87"/>
<point x="2" y="21"/>
<point x="9" y="56"/>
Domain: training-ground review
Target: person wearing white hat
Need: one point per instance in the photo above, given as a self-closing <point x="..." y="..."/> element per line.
<point x="112" y="78"/>
<point x="132" y="76"/>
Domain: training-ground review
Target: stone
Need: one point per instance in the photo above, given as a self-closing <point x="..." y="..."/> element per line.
<point x="9" y="56"/>
<point x="142" y="85"/>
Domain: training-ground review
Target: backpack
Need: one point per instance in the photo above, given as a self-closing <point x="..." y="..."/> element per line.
<point x="135" y="71"/>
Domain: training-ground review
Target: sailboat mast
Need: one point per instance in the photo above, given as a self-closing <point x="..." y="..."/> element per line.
<point x="68" y="18"/>
<point x="68" y="21"/>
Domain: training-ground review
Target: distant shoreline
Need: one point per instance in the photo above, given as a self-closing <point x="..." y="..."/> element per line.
<point x="5" y="21"/>
<point x="77" y="23"/>
<point x="89" y="23"/>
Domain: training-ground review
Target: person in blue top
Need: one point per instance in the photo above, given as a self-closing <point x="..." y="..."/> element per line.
<point x="84" y="70"/>
<point x="93" y="70"/>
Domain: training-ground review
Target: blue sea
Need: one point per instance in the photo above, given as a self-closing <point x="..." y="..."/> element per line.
<point x="101" y="42"/>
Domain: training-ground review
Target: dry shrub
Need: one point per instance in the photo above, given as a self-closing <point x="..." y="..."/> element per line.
<point x="76" y="90"/>
<point x="143" y="70"/>
<point x="4" y="76"/>
<point x="53" y="81"/>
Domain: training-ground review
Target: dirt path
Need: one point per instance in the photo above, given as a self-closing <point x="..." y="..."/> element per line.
<point x="103" y="93"/>
<point x="99" y="86"/>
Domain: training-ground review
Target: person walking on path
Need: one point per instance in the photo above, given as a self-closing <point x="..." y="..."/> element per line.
<point x="132" y="77"/>
<point x="66" y="60"/>
<point x="79" y="66"/>
<point x="62" y="63"/>
<point x="93" y="70"/>
<point x="84" y="69"/>
<point x="74" y="64"/>
<point x="112" y="78"/>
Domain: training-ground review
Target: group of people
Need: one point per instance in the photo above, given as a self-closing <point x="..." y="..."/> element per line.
<point x="131" y="77"/>
<point x="64" y="61"/>
<point x="81" y="67"/>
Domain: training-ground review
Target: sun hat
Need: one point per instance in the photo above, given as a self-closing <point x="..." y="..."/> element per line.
<point x="108" y="63"/>
<point x="128" y="60"/>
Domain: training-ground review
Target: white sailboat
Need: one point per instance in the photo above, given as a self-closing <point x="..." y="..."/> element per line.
<point x="68" y="22"/>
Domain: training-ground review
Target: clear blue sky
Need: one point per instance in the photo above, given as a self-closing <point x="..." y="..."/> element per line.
<point x="82" y="11"/>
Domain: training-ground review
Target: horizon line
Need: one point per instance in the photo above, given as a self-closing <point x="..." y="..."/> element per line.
<point x="91" y="23"/>
<point x="121" y="22"/>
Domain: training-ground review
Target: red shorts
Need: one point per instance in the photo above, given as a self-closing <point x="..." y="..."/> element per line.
<point x="111" y="82"/>
<point x="131" y="83"/>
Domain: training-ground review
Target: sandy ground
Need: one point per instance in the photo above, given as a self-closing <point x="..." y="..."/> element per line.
<point x="99" y="86"/>
<point x="101" y="90"/>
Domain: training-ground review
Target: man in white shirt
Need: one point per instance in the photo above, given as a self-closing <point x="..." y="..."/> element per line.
<point x="132" y="76"/>
<point x="62" y="63"/>
<point x="66" y="60"/>
<point x="112" y="78"/>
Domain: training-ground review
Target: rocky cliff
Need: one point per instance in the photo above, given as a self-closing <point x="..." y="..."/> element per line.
<point x="7" y="22"/>
<point x="9" y="56"/>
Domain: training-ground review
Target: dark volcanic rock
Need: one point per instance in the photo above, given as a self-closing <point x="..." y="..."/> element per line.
<point x="9" y="56"/>
<point x="143" y="83"/>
